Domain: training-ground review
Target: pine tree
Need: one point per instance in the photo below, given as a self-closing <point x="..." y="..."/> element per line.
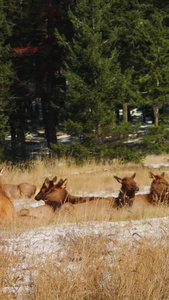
<point x="5" y="72"/>
<point x="126" y="16"/>
<point x="36" y="60"/>
<point x="143" y="50"/>
<point x="92" y="72"/>
<point x="154" y="74"/>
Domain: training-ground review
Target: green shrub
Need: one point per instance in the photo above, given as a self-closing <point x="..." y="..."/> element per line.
<point x="156" y="140"/>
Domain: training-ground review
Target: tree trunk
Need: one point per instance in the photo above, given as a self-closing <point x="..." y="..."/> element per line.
<point x="155" y="109"/>
<point x="125" y="112"/>
<point x="48" y="120"/>
<point x="13" y="138"/>
<point x="21" y="145"/>
<point x="129" y="115"/>
<point x="144" y="114"/>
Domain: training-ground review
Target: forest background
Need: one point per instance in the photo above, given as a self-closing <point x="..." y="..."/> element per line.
<point x="71" y="65"/>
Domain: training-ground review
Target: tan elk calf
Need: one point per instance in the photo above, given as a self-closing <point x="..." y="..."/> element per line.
<point x="7" y="210"/>
<point x="44" y="212"/>
<point x="56" y="196"/>
<point x="13" y="191"/>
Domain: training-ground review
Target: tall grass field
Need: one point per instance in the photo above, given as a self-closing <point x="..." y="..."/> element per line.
<point x="91" y="266"/>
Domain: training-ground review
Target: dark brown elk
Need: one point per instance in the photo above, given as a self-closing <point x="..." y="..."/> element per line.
<point x="127" y="192"/>
<point x="47" y="185"/>
<point x="44" y="212"/>
<point x="58" y="195"/>
<point x="7" y="210"/>
<point x="13" y="191"/>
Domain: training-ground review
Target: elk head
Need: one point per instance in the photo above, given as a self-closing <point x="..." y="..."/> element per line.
<point x="47" y="185"/>
<point x="128" y="189"/>
<point x="57" y="194"/>
<point x="159" y="187"/>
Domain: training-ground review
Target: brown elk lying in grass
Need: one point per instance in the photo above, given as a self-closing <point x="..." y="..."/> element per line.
<point x="158" y="191"/>
<point x="55" y="196"/>
<point x="19" y="191"/>
<point x="46" y="186"/>
<point x="45" y="211"/>
<point x="159" y="188"/>
<point x="7" y="210"/>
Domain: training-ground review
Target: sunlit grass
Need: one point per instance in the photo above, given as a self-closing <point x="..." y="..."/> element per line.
<point x="89" y="179"/>
<point x="90" y="266"/>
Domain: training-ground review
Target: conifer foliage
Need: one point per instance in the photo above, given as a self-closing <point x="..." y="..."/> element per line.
<point x="80" y="61"/>
<point x="92" y="72"/>
<point x="5" y="72"/>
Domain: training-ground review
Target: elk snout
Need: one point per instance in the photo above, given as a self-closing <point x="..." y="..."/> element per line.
<point x="38" y="197"/>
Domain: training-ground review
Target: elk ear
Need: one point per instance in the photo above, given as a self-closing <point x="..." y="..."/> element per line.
<point x="151" y="175"/>
<point x="46" y="181"/>
<point x="60" y="182"/>
<point x="162" y="174"/>
<point x="54" y="180"/>
<point x="1" y="171"/>
<point x="118" y="179"/>
<point x="133" y="176"/>
<point x="64" y="184"/>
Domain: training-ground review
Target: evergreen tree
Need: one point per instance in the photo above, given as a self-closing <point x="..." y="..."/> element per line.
<point x="154" y="74"/>
<point x="92" y="72"/>
<point x="36" y="60"/>
<point x="5" y="72"/>
<point x="143" y="50"/>
<point x="50" y="82"/>
<point x="126" y="16"/>
<point x="23" y="48"/>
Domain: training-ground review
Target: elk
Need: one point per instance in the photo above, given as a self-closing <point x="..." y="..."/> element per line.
<point x="159" y="188"/>
<point x="7" y="210"/>
<point x="158" y="191"/>
<point x="44" y="211"/>
<point x="19" y="191"/>
<point x="46" y="186"/>
<point x="127" y="192"/>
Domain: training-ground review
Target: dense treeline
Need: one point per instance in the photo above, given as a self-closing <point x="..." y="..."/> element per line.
<point x="80" y="61"/>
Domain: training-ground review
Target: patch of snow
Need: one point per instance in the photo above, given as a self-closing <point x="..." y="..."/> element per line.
<point x="36" y="245"/>
<point x="157" y="166"/>
<point x="37" y="203"/>
<point x="75" y="173"/>
<point x="63" y="136"/>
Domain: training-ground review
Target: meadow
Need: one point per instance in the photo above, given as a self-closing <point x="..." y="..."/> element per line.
<point x="122" y="255"/>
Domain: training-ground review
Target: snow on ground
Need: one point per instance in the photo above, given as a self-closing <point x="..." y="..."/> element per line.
<point x="36" y="245"/>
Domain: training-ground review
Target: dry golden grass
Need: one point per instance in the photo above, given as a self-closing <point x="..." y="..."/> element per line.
<point x="157" y="159"/>
<point x="92" y="270"/>
<point x="94" y="267"/>
<point x="7" y="277"/>
<point x="91" y="178"/>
